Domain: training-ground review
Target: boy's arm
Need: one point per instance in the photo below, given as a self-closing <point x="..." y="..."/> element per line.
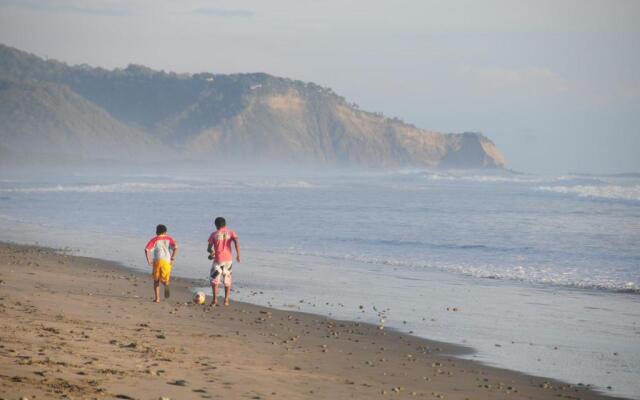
<point x="147" y="251"/>
<point x="175" y="253"/>
<point x="236" y="242"/>
<point x="146" y="254"/>
<point x="210" y="250"/>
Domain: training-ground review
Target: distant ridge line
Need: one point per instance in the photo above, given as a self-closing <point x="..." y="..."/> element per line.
<point x="137" y="112"/>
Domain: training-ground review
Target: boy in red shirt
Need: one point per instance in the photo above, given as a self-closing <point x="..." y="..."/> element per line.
<point x="220" y="252"/>
<point x="161" y="252"/>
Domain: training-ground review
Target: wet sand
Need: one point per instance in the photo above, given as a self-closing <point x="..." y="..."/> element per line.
<point x="81" y="328"/>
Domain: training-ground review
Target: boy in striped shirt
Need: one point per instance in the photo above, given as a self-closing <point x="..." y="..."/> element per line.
<point x="161" y="252"/>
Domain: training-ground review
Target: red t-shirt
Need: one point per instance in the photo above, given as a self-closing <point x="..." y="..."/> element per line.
<point x="220" y="242"/>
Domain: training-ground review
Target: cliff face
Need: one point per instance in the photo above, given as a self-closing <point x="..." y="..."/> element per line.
<point x="48" y="105"/>
<point x="471" y="150"/>
<point x="306" y="127"/>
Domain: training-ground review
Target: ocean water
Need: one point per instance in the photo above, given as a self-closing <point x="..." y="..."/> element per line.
<point x="544" y="271"/>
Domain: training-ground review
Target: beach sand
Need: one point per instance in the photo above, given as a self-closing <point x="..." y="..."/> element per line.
<point x="81" y="328"/>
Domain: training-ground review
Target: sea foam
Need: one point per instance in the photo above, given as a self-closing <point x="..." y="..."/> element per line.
<point x="615" y="192"/>
<point x="529" y="274"/>
<point x="498" y="177"/>
<point x="126" y="187"/>
<point x="281" y="185"/>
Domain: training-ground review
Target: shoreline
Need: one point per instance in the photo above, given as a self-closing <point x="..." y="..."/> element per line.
<point x="119" y="350"/>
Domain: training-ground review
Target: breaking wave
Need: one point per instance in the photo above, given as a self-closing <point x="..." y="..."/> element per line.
<point x="128" y="187"/>
<point x="282" y="185"/>
<point x="602" y="192"/>
<point x="148" y="187"/>
<point x="532" y="275"/>
<point x="462" y="176"/>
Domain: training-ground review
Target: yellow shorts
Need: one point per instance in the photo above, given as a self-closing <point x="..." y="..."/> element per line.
<point x="162" y="271"/>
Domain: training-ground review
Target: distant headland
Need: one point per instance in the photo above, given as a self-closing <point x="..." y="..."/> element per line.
<point x="51" y="110"/>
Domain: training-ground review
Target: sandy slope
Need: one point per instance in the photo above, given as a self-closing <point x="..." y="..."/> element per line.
<point x="82" y="328"/>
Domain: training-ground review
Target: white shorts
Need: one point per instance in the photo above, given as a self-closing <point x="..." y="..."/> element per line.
<point x="221" y="272"/>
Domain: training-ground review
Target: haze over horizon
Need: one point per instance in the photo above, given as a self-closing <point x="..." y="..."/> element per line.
<point x="556" y="85"/>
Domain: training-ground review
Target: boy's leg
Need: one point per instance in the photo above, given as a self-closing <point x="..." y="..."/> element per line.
<point x="165" y="276"/>
<point x="216" y="273"/>
<point x="227" y="293"/>
<point x="214" y="289"/>
<point x="227" y="285"/>
<point x="156" y="290"/>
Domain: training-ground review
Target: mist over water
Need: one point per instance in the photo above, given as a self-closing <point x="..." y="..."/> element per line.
<point x="561" y="230"/>
<point x="414" y="240"/>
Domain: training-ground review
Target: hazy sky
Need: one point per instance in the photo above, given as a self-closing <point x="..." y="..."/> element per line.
<point x="556" y="84"/>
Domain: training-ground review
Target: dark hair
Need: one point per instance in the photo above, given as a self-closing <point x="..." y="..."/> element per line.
<point x="160" y="229"/>
<point x="220" y="222"/>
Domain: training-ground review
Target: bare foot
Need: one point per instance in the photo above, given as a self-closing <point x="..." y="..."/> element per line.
<point x="213" y="305"/>
<point x="226" y="303"/>
<point x="156" y="301"/>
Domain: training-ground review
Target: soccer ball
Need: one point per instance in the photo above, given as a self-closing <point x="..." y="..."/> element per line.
<point x="199" y="298"/>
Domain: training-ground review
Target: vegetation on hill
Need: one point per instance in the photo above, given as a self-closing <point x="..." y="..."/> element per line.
<point x="43" y="117"/>
<point x="51" y="106"/>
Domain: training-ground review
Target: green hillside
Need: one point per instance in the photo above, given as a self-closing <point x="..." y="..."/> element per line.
<point x="43" y="117"/>
<point x="49" y="105"/>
